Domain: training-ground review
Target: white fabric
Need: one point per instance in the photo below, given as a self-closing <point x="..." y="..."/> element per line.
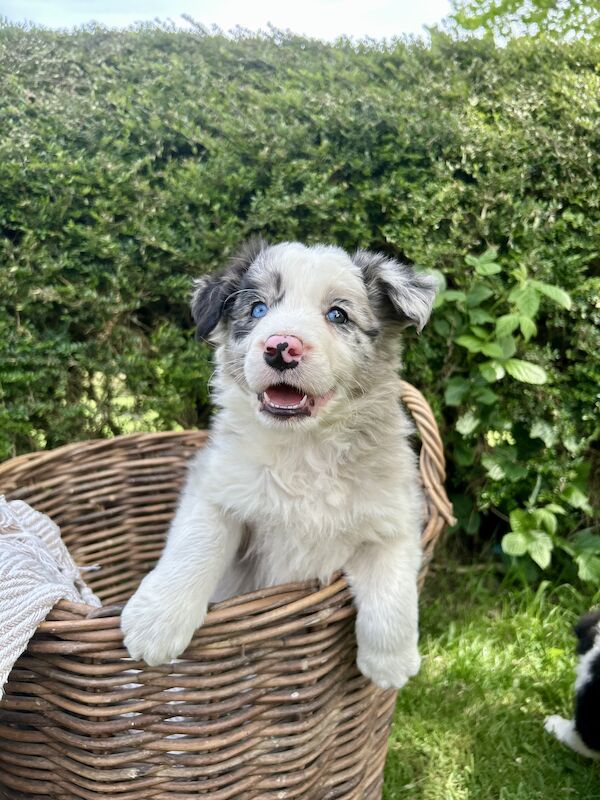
<point x="36" y="571"/>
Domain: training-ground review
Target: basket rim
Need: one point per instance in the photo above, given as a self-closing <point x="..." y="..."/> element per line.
<point x="294" y="596"/>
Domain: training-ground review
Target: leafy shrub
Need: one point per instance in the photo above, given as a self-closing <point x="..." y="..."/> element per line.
<point x="131" y="161"/>
<point x="559" y="19"/>
<point x="495" y="321"/>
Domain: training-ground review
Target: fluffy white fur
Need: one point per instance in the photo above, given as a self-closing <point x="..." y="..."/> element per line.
<point x="565" y="730"/>
<point x="338" y="489"/>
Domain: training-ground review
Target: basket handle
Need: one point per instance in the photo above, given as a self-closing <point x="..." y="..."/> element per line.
<point x="433" y="469"/>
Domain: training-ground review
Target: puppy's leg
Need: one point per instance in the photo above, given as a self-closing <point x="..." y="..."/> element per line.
<point x="564" y="730"/>
<point x="383" y="577"/>
<point x="170" y="603"/>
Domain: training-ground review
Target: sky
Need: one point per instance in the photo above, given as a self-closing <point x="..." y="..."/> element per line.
<point x="323" y="19"/>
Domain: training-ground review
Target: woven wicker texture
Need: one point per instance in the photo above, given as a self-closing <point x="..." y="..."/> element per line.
<point x="266" y="703"/>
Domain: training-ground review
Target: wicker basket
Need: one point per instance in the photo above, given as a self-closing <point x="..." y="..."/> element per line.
<point x="267" y="702"/>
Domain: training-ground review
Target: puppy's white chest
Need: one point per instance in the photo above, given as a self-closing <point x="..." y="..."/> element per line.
<point x="304" y="505"/>
<point x="309" y="537"/>
<point x="302" y="512"/>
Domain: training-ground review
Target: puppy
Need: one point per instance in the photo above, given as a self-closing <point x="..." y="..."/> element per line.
<point x="309" y="466"/>
<point x="582" y="733"/>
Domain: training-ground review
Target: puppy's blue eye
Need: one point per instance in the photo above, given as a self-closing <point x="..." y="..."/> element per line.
<point x="259" y="310"/>
<point x="337" y="316"/>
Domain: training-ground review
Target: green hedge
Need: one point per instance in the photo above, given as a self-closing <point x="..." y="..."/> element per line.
<point x="131" y="161"/>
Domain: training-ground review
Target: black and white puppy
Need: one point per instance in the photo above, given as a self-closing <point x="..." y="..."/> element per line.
<point x="582" y="733"/>
<point x="309" y="451"/>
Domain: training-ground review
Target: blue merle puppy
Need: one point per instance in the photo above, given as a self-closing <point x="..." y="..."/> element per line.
<point x="582" y="733"/>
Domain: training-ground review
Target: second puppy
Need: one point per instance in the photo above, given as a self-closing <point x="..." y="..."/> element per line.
<point x="582" y="733"/>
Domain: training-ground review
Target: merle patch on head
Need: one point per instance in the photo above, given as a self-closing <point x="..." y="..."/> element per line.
<point x="214" y="294"/>
<point x="396" y="291"/>
<point x="256" y="286"/>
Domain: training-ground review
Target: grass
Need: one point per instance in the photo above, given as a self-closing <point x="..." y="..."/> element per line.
<point x="497" y="659"/>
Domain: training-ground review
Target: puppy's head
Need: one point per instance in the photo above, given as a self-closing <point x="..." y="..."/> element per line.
<point x="300" y="329"/>
<point x="587" y="630"/>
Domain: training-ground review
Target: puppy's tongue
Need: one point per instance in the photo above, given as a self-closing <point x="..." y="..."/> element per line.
<point x="283" y="395"/>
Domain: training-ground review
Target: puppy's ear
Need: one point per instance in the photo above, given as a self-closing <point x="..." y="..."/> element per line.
<point x="396" y="290"/>
<point x="214" y="294"/>
<point x="586" y="630"/>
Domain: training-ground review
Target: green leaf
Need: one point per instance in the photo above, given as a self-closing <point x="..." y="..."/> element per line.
<point x="493" y="467"/>
<point x="528" y="327"/>
<point x="493" y="350"/>
<point x="586" y="541"/>
<point x="588" y="567"/>
<point x="526" y="299"/>
<point x="500" y="464"/>
<point x="525" y="371"/>
<point x="514" y="471"/>
<point x="467" y="423"/>
<point x="487" y="268"/>
<point x="453" y="296"/>
<point x="508" y="346"/>
<point x="479" y="316"/>
<point x="544" y="431"/>
<point x="478" y="294"/>
<point x="480" y="332"/>
<point x="456" y="391"/>
<point x="484" y="261"/>
<point x="555" y="508"/>
<point x="506" y="324"/>
<point x="514" y="544"/>
<point x="489" y="255"/>
<point x="491" y="371"/>
<point x="472" y="344"/>
<point x="521" y="520"/>
<point x="546" y="519"/>
<point x="577" y="499"/>
<point x="485" y="396"/>
<point x="441" y="327"/>
<point x="540" y="548"/>
<point x="554" y="293"/>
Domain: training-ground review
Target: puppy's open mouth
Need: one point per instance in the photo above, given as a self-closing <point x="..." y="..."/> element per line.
<point x="282" y="400"/>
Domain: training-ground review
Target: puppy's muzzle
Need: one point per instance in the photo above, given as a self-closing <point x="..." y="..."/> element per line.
<point x="283" y="352"/>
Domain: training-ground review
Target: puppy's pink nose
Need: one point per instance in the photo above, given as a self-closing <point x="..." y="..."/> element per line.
<point x="283" y="351"/>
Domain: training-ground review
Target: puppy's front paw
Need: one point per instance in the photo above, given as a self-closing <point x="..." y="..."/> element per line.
<point x="388" y="670"/>
<point x="156" y="628"/>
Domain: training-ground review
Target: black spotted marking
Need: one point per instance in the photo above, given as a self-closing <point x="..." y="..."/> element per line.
<point x="586" y="631"/>
<point x="254" y="289"/>
<point x="214" y="295"/>
<point x="587" y="708"/>
<point x="397" y="293"/>
<point x="277" y="361"/>
<point x="351" y="324"/>
<point x="371" y="333"/>
<point x="240" y="328"/>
